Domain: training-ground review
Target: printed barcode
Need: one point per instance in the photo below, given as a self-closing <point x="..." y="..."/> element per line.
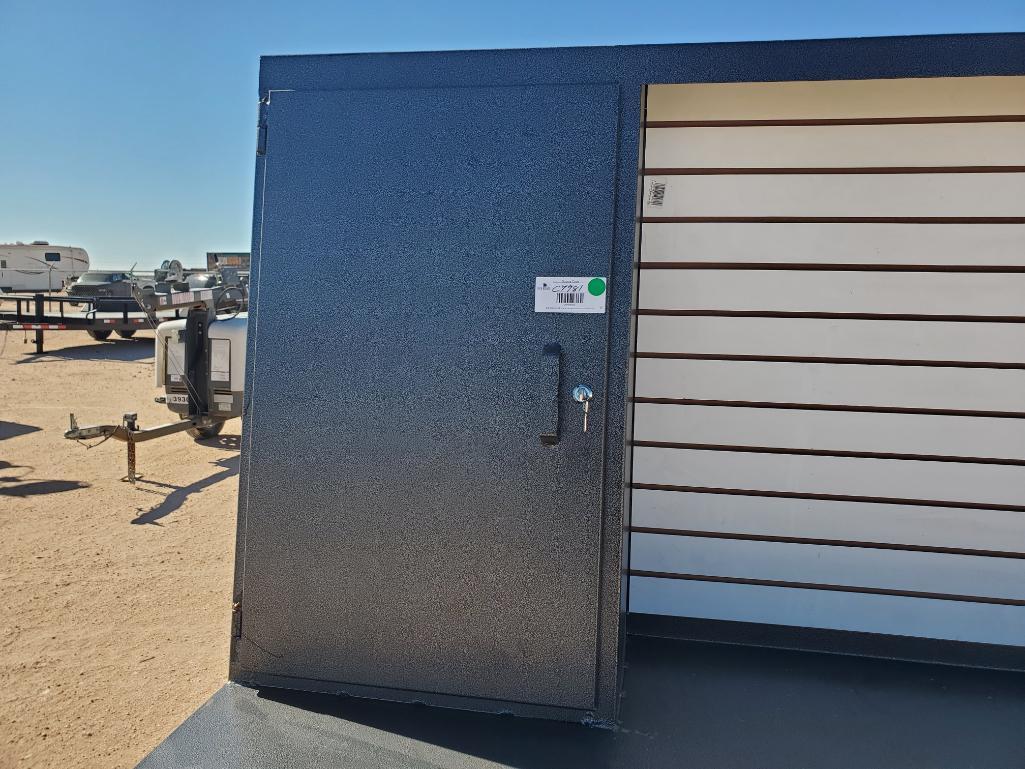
<point x="657" y="193"/>
<point x="569" y="298"/>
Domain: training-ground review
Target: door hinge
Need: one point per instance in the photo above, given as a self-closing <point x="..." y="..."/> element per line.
<point x="261" y="141"/>
<point x="236" y="619"/>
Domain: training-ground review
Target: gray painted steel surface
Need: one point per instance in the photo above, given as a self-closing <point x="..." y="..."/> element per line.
<point x="328" y="392"/>
<point x="686" y="705"/>
<point x="407" y="530"/>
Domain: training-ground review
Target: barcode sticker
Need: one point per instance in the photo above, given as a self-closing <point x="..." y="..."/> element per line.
<point x="657" y="191"/>
<point x="578" y="295"/>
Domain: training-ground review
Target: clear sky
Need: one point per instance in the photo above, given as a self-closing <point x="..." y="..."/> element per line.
<point x="128" y="126"/>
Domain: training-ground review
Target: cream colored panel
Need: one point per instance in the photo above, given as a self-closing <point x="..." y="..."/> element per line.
<point x="927" y="293"/>
<point x="940" y="144"/>
<point x="906" y="97"/>
<point x="913" y="340"/>
<point x="860" y="243"/>
<point x="940" y="481"/>
<point x="862" y="567"/>
<point x="838" y="611"/>
<point x="818" y="519"/>
<point x="808" y="195"/>
<point x="830" y="430"/>
<point x="908" y="386"/>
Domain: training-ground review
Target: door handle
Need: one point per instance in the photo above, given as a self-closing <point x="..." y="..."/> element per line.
<point x="551" y="375"/>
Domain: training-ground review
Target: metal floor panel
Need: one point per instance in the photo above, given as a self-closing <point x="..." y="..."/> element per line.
<point x="685" y="705"/>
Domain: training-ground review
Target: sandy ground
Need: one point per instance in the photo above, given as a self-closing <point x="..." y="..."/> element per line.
<point x="115" y="599"/>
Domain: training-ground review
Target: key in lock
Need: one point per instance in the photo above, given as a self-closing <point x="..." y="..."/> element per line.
<point x="582" y="394"/>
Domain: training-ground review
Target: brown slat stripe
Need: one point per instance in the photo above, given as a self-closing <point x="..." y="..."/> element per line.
<point x="804" y="170"/>
<point x="833" y="219"/>
<point x="829" y="360"/>
<point x="832" y="588"/>
<point x="835" y="121"/>
<point x="829" y="453"/>
<point x="829" y="407"/>
<point x="903" y="316"/>
<point x="830" y="497"/>
<point x="831" y="267"/>
<point x="827" y="542"/>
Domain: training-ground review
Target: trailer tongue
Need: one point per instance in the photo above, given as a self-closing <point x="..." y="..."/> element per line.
<point x="200" y="363"/>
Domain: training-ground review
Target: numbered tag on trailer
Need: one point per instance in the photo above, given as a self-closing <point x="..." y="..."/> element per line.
<point x="177" y="399"/>
<point x="583" y="295"/>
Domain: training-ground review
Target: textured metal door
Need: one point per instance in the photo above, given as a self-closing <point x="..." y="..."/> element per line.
<point x="406" y="529"/>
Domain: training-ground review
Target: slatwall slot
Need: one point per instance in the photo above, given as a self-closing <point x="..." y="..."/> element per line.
<point x="954" y="483"/>
<point x="895" y="615"/>
<point x="799" y="147"/>
<point x="939" y="527"/>
<point x="957" y="244"/>
<point x="797" y="337"/>
<point x="860" y="292"/>
<point x="902" y="386"/>
<point x="832" y="431"/>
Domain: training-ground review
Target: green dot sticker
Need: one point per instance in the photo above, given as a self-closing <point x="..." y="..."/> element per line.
<point x="596" y="286"/>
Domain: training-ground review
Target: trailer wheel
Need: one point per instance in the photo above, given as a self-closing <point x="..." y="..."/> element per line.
<point x="201" y="433"/>
<point x="127" y="333"/>
<point x="99" y="336"/>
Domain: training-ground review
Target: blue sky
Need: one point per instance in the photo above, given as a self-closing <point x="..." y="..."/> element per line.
<point x="129" y="127"/>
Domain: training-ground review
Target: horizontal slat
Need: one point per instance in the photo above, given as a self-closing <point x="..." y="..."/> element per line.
<point x="941" y="144"/>
<point x="810" y="383"/>
<point x="834" y="99"/>
<point x="813" y="195"/>
<point x="840" y="338"/>
<point x="983" y="484"/>
<point x="931" y="526"/>
<point x="886" y="569"/>
<point x="909" y="434"/>
<point x="840" y="611"/>
<point x="873" y="243"/>
<point x="931" y="293"/>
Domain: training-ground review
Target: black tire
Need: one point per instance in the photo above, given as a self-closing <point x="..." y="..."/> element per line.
<point x="99" y="336"/>
<point x="128" y="333"/>
<point x="203" y="433"/>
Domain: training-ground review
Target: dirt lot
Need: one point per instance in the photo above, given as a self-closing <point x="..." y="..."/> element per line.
<point x="115" y="599"/>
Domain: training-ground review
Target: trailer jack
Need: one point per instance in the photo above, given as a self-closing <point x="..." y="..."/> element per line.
<point x="129" y="432"/>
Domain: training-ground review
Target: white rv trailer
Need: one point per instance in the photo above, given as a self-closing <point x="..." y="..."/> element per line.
<point x="39" y="266"/>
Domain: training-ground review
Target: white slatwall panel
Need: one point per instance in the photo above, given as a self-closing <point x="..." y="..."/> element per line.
<point x="841" y="195"/>
<point x="838" y="99"/>
<point x="886" y="292"/>
<point x="818" y="519"/>
<point x="851" y="243"/>
<point x="943" y="144"/>
<point x="994" y="444"/>
<point x="832" y="430"/>
<point x="945" y="388"/>
<point x="983" y="342"/>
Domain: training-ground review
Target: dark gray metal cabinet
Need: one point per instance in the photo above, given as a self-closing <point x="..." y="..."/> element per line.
<point x="403" y="531"/>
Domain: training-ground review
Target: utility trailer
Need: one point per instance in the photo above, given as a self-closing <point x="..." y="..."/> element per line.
<point x="102" y="316"/>
<point x="200" y="363"/>
<point x="41" y="313"/>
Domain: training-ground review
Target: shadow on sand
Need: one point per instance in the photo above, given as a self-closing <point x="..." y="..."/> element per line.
<point x="14" y="429"/>
<point x="128" y="350"/>
<point x="174" y="500"/>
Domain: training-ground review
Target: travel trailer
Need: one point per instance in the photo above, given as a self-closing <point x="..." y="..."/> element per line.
<point x="38" y="266"/>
